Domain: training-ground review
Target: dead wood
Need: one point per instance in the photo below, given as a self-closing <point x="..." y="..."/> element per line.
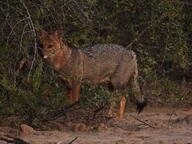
<point x="10" y="139"/>
<point x="143" y="122"/>
<point x="53" y="115"/>
<point x="73" y="140"/>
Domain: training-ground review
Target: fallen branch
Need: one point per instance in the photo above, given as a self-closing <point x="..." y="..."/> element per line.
<point x="143" y="122"/>
<point x="73" y="140"/>
<point x="97" y="111"/>
<point x="170" y="117"/>
<point x="57" y="113"/>
<point x="10" y="139"/>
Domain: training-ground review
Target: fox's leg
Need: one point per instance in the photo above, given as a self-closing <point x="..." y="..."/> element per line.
<point x="73" y="89"/>
<point x="120" y="85"/>
<point x="76" y="90"/>
<point x="121" y="107"/>
<point x="121" y="110"/>
<point x="110" y="111"/>
<point x="69" y="92"/>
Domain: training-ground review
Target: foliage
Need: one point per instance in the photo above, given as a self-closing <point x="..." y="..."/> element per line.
<point x="34" y="88"/>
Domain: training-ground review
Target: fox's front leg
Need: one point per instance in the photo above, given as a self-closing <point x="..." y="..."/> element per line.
<point x="76" y="91"/>
<point x="69" y="92"/>
<point x="73" y="88"/>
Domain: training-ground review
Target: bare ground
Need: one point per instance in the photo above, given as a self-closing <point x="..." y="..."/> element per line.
<point x="153" y="126"/>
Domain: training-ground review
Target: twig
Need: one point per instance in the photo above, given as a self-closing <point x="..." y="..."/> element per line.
<point x="97" y="111"/>
<point x="12" y="30"/>
<point x="143" y="122"/>
<point x="13" y="140"/>
<point x="185" y="3"/>
<point x="34" y="35"/>
<point x="73" y="140"/>
<point x="12" y="7"/>
<point x="21" y="39"/>
<point x="56" y="114"/>
<point x="170" y="117"/>
<point x="144" y="31"/>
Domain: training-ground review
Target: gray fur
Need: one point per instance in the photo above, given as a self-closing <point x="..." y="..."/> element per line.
<point x="104" y="62"/>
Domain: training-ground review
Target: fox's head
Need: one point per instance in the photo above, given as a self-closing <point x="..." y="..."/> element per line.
<point x="51" y="43"/>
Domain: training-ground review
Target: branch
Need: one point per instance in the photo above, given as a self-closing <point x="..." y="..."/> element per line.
<point x="34" y="35"/>
<point x="144" y="31"/>
<point x="73" y="140"/>
<point x="143" y="122"/>
<point x="170" y="117"/>
<point x="14" y="140"/>
<point x="97" y="111"/>
<point x="57" y="113"/>
<point x="12" y="30"/>
<point x="186" y="3"/>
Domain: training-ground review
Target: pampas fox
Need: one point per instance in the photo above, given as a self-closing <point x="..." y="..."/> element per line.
<point x="99" y="63"/>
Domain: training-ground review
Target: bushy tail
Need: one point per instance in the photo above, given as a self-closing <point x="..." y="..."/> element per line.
<point x="137" y="98"/>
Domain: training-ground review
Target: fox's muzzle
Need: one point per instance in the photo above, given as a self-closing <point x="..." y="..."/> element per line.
<point x="45" y="56"/>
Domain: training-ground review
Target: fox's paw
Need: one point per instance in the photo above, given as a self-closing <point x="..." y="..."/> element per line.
<point x="140" y="106"/>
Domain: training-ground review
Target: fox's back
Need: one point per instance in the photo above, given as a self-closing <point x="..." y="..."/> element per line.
<point x="108" y="55"/>
<point x="103" y="60"/>
<point x="107" y="51"/>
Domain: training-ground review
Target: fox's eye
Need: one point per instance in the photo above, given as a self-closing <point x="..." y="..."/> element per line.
<point x="50" y="46"/>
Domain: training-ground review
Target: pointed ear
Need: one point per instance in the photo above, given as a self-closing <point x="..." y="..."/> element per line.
<point x="55" y="34"/>
<point x="61" y="39"/>
<point x="43" y="35"/>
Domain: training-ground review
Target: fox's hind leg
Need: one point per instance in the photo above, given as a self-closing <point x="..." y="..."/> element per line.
<point x="122" y="107"/>
<point x="76" y="91"/>
<point x="69" y="92"/>
<point x="73" y="89"/>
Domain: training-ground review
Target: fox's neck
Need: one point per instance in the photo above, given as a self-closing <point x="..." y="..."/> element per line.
<point x="61" y="57"/>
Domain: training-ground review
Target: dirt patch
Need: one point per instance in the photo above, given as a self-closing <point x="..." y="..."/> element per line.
<point x="153" y="126"/>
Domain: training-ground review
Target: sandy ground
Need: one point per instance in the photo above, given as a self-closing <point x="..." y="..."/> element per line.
<point x="153" y="126"/>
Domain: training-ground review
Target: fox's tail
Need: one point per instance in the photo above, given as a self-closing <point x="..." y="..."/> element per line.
<point x="137" y="98"/>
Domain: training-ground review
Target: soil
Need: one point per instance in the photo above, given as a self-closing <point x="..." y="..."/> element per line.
<point x="153" y="126"/>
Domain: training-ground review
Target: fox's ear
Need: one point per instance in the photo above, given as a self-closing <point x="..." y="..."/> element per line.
<point x="55" y="33"/>
<point x="61" y="39"/>
<point x="43" y="35"/>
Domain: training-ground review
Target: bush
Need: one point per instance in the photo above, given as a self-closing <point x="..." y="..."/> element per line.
<point x="30" y="87"/>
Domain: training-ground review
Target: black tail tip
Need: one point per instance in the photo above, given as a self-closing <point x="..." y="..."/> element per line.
<point x="140" y="106"/>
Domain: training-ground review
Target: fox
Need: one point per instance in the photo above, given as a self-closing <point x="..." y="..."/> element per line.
<point x="111" y="63"/>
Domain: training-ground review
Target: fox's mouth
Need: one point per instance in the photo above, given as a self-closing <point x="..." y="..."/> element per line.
<point x="45" y="56"/>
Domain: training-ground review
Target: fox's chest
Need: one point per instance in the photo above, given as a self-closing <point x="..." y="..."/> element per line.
<point x="71" y="66"/>
<point x="57" y="62"/>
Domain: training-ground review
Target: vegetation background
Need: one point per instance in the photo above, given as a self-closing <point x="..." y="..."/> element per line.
<point x="29" y="87"/>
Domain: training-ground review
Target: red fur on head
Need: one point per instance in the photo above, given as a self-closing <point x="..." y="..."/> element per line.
<point x="43" y="35"/>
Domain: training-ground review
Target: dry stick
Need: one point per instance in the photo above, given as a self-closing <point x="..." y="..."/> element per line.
<point x="12" y="7"/>
<point x="60" y="112"/>
<point x="143" y="122"/>
<point x="143" y="32"/>
<point x="13" y="140"/>
<point x="34" y="35"/>
<point x="186" y="3"/>
<point x="97" y="111"/>
<point x="170" y="117"/>
<point x="12" y="30"/>
<point x="73" y="140"/>
<point x="22" y="35"/>
<point x="15" y="25"/>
